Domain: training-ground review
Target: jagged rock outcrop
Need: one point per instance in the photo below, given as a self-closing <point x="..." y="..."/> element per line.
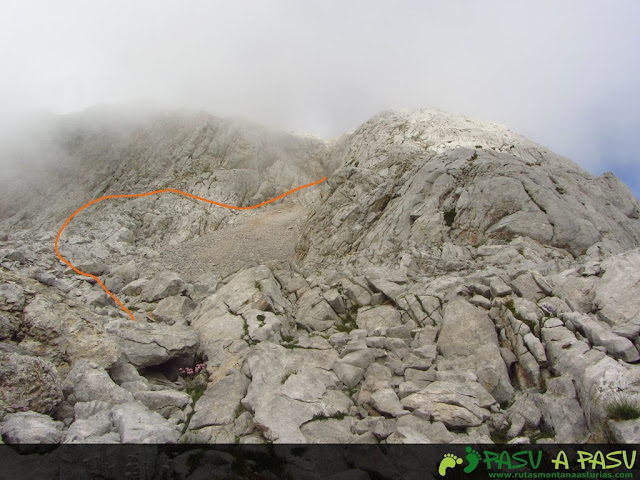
<point x="404" y="183"/>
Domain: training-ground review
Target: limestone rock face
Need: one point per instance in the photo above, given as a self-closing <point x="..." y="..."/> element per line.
<point x="231" y="161"/>
<point x="406" y="181"/>
<point x="452" y="281"/>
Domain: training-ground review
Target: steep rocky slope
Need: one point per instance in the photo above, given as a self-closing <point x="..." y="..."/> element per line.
<point x="409" y="182"/>
<point x="453" y="282"/>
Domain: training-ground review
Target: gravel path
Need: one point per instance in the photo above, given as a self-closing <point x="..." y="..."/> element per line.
<point x="258" y="236"/>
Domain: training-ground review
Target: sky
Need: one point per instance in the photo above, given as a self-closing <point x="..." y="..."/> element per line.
<point x="563" y="73"/>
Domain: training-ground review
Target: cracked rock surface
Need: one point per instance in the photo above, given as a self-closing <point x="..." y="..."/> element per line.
<point x="450" y="282"/>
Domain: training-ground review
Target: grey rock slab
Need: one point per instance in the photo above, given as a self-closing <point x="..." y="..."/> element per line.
<point x="204" y="286"/>
<point x="136" y="424"/>
<point x="291" y="281"/>
<point x="85" y="410"/>
<point x="407" y="435"/>
<point x="499" y="288"/>
<point x="407" y="388"/>
<point x="335" y="300"/>
<point x="250" y="288"/>
<point x="279" y="416"/>
<point x="313" y="311"/>
<point x="12" y="297"/>
<point x="435" y="432"/>
<point x="147" y="344"/>
<point x="562" y="411"/>
<point x="624" y="432"/>
<point x="385" y="401"/>
<point x="455" y="405"/>
<point x="480" y="301"/>
<point x="220" y="403"/>
<point x="354" y="344"/>
<point x="399" y="331"/>
<point x="417" y="362"/>
<point x="358" y="295"/>
<point x="617" y="346"/>
<point x="263" y="326"/>
<point x="159" y="399"/>
<point x="359" y="358"/>
<point x="391" y="289"/>
<point x="121" y="275"/>
<point x="410" y="304"/>
<point x="309" y="384"/>
<point x="174" y="310"/>
<point x="468" y="340"/>
<point x="330" y="430"/>
<point x="162" y="285"/>
<point x="380" y="316"/>
<point x="122" y="372"/>
<point x="88" y="382"/>
<point x="83" y="429"/>
<point x="217" y="331"/>
<point x="527" y="287"/>
<point x="64" y="333"/>
<point x="28" y="382"/>
<point x="134" y="288"/>
<point x="630" y="331"/>
<point x="31" y="427"/>
<point x="611" y="293"/>
<point x="536" y="348"/>
<point x="348" y="374"/>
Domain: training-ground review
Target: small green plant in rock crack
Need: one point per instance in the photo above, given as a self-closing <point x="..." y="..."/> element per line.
<point x="320" y="416"/>
<point x="286" y="377"/>
<point x="622" y="408"/>
<point x="533" y="326"/>
<point x="196" y="380"/>
<point x="351" y="391"/>
<point x="348" y="321"/>
<point x="450" y="216"/>
<point x="258" y="285"/>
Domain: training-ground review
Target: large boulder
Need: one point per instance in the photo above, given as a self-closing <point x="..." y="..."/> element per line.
<point x="378" y="317"/>
<point x="136" y="424"/>
<point x="611" y="297"/>
<point x="88" y="382"/>
<point x="31" y="427"/>
<point x="455" y="405"/>
<point x="64" y="333"/>
<point x="291" y="387"/>
<point x="468" y="340"/>
<point x="28" y="383"/>
<point x="162" y="285"/>
<point x="148" y="344"/>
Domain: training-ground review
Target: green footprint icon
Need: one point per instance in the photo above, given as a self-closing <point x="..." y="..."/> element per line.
<point x="473" y="457"/>
<point x="448" y="461"/>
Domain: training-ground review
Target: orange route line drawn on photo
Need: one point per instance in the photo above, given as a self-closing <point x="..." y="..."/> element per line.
<point x="155" y="192"/>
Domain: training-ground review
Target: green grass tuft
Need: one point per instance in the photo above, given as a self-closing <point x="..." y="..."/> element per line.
<point x="450" y="216"/>
<point x="623" y="408"/>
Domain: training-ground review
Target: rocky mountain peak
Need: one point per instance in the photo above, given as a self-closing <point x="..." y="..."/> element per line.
<point x="408" y="181"/>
